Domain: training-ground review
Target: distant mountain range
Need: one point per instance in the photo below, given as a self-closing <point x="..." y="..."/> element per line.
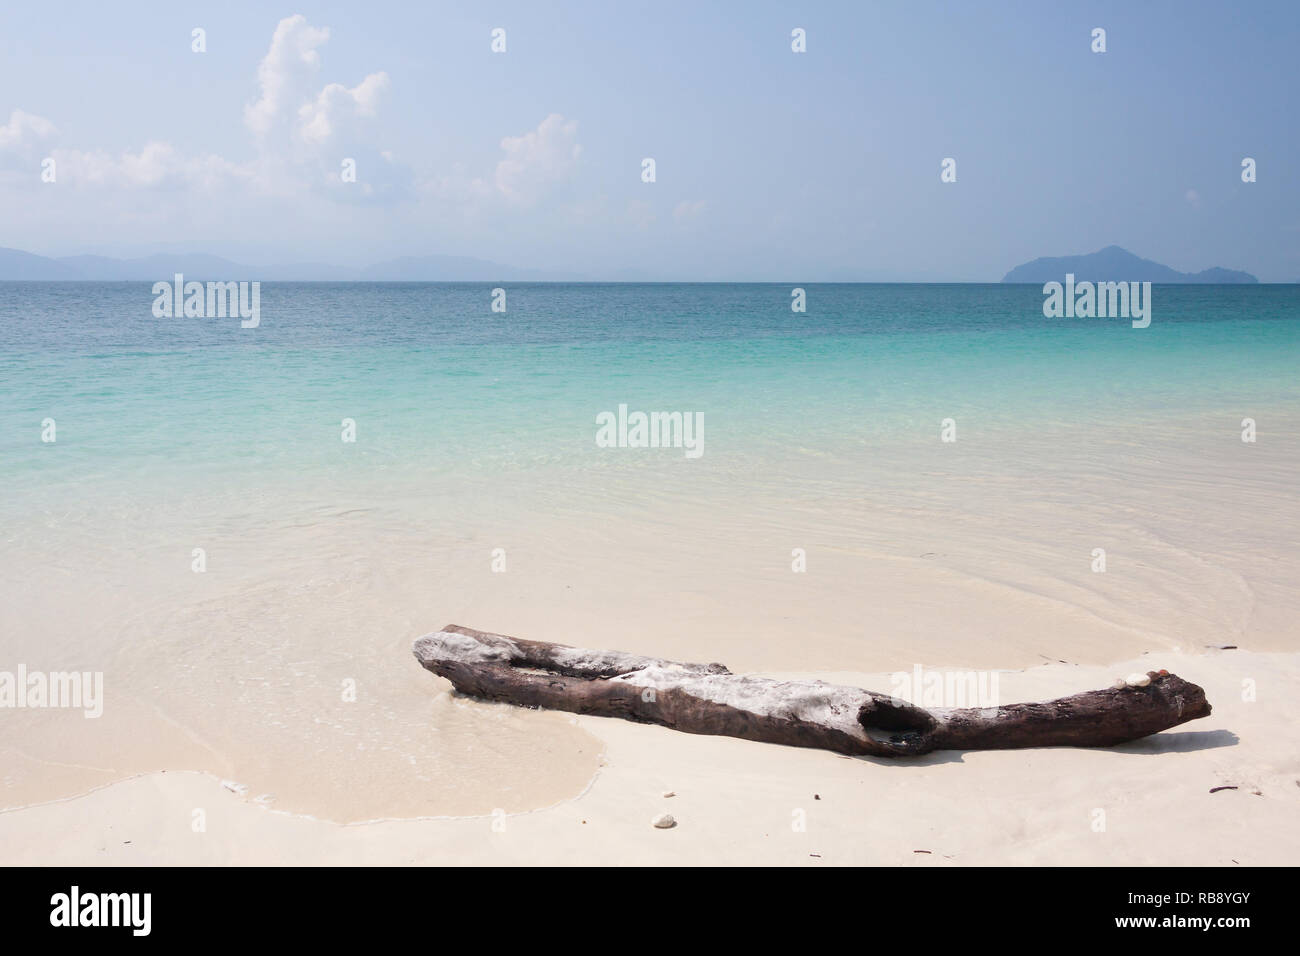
<point x="1111" y="264"/>
<point x="16" y="264"/>
<point x="1114" y="264"/>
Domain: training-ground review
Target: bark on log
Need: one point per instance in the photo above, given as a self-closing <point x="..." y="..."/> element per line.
<point x="709" y="699"/>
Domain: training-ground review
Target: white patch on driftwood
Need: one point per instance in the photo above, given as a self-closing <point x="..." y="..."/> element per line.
<point x="447" y="645"/>
<point x="810" y="702"/>
<point x="582" y="660"/>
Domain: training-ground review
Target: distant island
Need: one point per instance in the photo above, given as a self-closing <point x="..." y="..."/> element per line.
<point x="1114" y="264"/>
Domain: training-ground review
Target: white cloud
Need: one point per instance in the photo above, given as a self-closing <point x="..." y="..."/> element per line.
<point x="27" y="139"/>
<point x="285" y="71"/>
<point x="24" y="131"/>
<point x="302" y="129"/>
<point x="291" y="111"/>
<point x="156" y="165"/>
<point x="336" y="106"/>
<point x="538" y="159"/>
<point x="302" y="135"/>
<point x="535" y="163"/>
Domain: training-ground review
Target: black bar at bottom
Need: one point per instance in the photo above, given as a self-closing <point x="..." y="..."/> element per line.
<point x="334" y="906"/>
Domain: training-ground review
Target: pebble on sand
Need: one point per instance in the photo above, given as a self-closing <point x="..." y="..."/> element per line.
<point x="664" y="821"/>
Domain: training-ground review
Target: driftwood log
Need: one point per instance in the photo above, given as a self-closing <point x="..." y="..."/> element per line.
<point x="709" y="699"/>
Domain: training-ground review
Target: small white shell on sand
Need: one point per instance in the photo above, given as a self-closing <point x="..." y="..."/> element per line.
<point x="1138" y="680"/>
<point x="669" y="793"/>
<point x="664" y="821"/>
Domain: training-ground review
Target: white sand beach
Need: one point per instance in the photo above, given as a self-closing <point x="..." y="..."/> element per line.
<point x="744" y="803"/>
<point x="235" y="675"/>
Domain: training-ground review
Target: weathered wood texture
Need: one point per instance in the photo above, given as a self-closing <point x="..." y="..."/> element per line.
<point x="709" y="699"/>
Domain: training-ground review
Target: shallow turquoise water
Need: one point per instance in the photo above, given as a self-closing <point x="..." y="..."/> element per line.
<point x="437" y="382"/>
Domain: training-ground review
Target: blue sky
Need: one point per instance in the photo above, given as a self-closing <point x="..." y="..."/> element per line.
<point x="770" y="164"/>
